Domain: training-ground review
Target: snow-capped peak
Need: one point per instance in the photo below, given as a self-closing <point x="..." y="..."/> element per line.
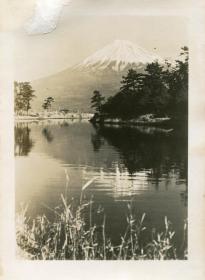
<point x="118" y="56"/>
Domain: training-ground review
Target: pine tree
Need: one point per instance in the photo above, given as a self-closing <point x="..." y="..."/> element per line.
<point x="23" y="96"/>
<point x="132" y="83"/>
<point x="155" y="97"/>
<point x="178" y="86"/>
<point x="47" y="103"/>
<point x="97" y="101"/>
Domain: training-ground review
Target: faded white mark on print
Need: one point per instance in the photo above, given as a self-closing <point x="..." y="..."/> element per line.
<point x="46" y="16"/>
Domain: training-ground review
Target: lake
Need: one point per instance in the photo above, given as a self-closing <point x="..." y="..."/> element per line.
<point x="143" y="165"/>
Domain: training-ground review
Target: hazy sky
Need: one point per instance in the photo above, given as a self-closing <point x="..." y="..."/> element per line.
<point x="88" y="25"/>
<point x="21" y="10"/>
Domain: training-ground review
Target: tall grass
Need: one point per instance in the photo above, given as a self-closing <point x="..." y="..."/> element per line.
<point x="73" y="235"/>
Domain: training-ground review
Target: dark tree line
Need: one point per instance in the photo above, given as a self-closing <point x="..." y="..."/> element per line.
<point x="162" y="90"/>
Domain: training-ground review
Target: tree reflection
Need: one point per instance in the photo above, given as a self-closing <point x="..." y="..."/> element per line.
<point x="47" y="134"/>
<point x="159" y="152"/>
<point x="97" y="141"/>
<point x="23" y="141"/>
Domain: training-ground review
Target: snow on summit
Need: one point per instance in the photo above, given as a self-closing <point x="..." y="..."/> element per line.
<point x="118" y="56"/>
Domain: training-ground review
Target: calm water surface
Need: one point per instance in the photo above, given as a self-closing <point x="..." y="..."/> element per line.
<point x="147" y="166"/>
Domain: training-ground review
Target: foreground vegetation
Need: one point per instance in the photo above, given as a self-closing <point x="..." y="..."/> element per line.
<point x="73" y="235"/>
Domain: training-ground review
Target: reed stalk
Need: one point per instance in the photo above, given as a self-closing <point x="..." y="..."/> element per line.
<point x="73" y="236"/>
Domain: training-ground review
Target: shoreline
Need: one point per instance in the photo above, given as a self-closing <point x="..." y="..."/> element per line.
<point x="39" y="116"/>
<point x="144" y="120"/>
<point x="29" y="118"/>
<point x="132" y="122"/>
<point x="165" y="122"/>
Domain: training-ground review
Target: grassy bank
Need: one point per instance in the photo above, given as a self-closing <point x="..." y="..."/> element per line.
<point x="73" y="235"/>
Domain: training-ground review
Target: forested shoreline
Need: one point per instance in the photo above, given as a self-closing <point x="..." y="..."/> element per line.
<point x="160" y="91"/>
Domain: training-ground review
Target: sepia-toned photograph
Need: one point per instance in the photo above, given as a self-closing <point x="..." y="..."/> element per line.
<point x="101" y="135"/>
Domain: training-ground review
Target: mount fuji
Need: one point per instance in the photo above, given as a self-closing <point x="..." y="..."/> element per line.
<point x="118" y="56"/>
<point x="103" y="71"/>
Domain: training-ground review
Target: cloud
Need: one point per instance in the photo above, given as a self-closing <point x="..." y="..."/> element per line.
<point x="46" y="15"/>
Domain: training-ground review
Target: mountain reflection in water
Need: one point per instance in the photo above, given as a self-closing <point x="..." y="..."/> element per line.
<point x="144" y="164"/>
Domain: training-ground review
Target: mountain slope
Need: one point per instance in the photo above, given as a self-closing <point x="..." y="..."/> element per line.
<point x="73" y="87"/>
